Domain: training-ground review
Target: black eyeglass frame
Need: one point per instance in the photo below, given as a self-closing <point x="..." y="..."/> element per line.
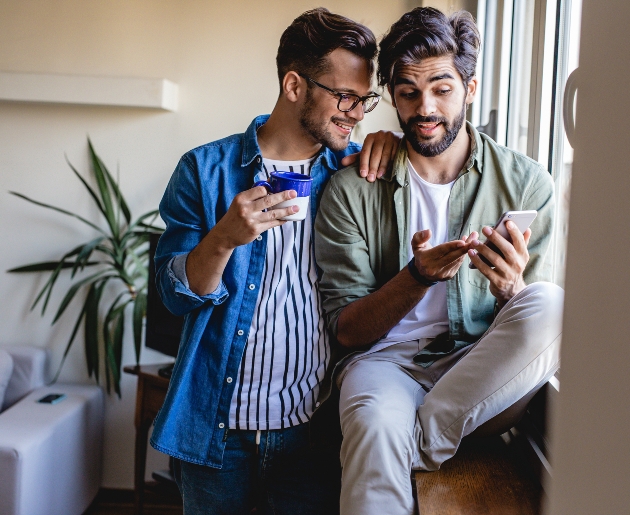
<point x="339" y="95"/>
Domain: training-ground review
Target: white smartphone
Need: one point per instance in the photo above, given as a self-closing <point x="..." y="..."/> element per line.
<point x="522" y="219"/>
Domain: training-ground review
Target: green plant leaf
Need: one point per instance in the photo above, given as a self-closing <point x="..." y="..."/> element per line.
<point x="48" y="287"/>
<point x="111" y="361"/>
<point x="82" y="259"/>
<point x="75" y="288"/>
<point x="103" y="188"/>
<point x="87" y="186"/>
<point x="92" y="303"/>
<point x="47" y="266"/>
<point x="59" y="210"/>
<point x="139" y="312"/>
<point x="69" y="344"/>
<point x="122" y="204"/>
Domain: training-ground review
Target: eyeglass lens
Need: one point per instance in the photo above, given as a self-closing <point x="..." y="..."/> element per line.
<point x="349" y="102"/>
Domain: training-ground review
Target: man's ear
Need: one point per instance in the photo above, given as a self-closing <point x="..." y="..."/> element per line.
<point x="471" y="90"/>
<point x="293" y="86"/>
<point x="391" y="95"/>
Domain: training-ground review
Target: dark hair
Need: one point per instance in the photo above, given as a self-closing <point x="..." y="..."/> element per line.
<point x="426" y="32"/>
<point x="306" y="43"/>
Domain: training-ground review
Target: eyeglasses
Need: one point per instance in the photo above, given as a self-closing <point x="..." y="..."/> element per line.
<point x="348" y="101"/>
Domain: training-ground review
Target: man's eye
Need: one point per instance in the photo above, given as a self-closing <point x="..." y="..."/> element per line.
<point x="445" y="91"/>
<point x="409" y="94"/>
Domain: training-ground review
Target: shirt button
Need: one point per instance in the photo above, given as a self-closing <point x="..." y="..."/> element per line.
<point x="229" y="379"/>
<point x="317" y="404"/>
<point x="258" y="159"/>
<point x="259" y="237"/>
<point x="240" y="332"/>
<point x="221" y="425"/>
<point x="251" y="286"/>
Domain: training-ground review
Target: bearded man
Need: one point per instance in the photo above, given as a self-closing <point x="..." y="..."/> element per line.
<point x="441" y="349"/>
<point x="254" y="349"/>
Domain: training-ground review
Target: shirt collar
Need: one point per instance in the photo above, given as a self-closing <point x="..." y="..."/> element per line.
<point x="476" y="148"/>
<point x="251" y="150"/>
<point x="398" y="171"/>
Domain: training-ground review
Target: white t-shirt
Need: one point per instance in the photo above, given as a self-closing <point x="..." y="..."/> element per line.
<point x="287" y="348"/>
<point x="428" y="210"/>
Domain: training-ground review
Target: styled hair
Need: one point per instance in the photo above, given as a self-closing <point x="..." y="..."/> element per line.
<point x="306" y="43"/>
<point x="426" y="32"/>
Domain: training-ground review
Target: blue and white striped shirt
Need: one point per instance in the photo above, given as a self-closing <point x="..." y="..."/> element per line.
<point x="287" y="351"/>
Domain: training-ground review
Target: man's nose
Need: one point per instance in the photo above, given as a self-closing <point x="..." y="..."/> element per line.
<point x="426" y="105"/>
<point x="357" y="112"/>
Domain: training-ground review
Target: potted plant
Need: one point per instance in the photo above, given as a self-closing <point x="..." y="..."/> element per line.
<point x="117" y="256"/>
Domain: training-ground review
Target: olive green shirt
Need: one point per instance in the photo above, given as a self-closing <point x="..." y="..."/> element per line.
<point x="362" y="240"/>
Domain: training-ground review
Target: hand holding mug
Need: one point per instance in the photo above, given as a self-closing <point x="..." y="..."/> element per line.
<point x="286" y="181"/>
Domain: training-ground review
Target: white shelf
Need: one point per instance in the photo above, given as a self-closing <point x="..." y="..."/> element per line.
<point x="84" y="90"/>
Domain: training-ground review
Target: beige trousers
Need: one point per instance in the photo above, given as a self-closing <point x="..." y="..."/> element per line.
<point x="397" y="416"/>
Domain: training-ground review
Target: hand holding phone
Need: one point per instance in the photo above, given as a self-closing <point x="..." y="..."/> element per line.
<point x="522" y="220"/>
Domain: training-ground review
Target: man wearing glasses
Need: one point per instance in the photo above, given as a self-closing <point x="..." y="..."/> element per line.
<point x="254" y="348"/>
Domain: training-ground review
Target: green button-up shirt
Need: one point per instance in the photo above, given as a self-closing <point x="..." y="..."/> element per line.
<point x="362" y="239"/>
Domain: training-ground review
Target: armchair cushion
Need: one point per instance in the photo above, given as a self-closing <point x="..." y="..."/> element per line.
<point x="6" y="369"/>
<point x="29" y="369"/>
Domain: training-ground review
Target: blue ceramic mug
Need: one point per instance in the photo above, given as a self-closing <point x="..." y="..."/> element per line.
<point x="282" y="181"/>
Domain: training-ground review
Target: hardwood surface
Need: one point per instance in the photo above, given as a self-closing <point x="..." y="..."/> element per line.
<point x="486" y="477"/>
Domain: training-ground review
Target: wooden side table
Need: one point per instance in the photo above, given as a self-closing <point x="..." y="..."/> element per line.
<point x="149" y="399"/>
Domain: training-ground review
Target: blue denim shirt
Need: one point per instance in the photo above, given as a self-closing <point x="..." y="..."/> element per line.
<point x="192" y="424"/>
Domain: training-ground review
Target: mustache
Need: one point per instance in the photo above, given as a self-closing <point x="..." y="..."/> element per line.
<point x="426" y="119"/>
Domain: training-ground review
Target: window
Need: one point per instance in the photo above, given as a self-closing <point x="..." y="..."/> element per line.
<point x="529" y="50"/>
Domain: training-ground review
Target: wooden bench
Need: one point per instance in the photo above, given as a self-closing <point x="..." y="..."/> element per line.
<point x="499" y="475"/>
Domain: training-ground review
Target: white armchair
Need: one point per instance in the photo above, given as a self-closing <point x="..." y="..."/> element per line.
<point x="50" y="454"/>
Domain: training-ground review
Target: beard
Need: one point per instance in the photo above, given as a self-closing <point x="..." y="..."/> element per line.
<point x="317" y="128"/>
<point x="424" y="146"/>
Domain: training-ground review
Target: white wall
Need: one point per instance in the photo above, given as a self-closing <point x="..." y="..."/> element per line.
<point x="591" y="455"/>
<point x="222" y="55"/>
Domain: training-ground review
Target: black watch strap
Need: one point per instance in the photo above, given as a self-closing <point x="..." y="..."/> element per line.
<point x="417" y="276"/>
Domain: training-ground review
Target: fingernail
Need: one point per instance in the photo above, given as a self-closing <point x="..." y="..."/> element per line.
<point x="371" y="177"/>
<point x="509" y="224"/>
<point x="475" y="243"/>
<point x="472" y="252"/>
<point x="487" y="231"/>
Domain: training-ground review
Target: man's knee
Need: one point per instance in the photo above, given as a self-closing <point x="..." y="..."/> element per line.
<point x="549" y="297"/>
<point x="368" y="418"/>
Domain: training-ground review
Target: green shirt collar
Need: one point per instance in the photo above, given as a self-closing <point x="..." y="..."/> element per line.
<point x="398" y="171"/>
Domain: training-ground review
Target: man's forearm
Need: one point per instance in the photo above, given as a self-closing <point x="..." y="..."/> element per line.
<point x="369" y="318"/>
<point x="206" y="263"/>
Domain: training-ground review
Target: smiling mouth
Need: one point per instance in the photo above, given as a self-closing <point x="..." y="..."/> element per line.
<point x="428" y="128"/>
<point x="346" y="128"/>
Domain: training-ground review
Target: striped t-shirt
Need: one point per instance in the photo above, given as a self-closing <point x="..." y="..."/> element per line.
<point x="287" y="348"/>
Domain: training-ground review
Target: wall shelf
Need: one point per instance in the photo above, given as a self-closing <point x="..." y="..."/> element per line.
<point x="85" y="90"/>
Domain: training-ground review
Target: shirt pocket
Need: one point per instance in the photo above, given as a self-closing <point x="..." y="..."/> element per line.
<point x="475" y="277"/>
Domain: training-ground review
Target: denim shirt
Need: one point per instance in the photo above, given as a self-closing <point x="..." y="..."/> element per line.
<point x="193" y="422"/>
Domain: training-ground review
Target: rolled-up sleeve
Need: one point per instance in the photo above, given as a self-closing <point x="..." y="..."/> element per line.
<point x="177" y="272"/>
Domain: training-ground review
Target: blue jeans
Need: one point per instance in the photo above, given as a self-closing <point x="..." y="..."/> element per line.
<point x="281" y="476"/>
